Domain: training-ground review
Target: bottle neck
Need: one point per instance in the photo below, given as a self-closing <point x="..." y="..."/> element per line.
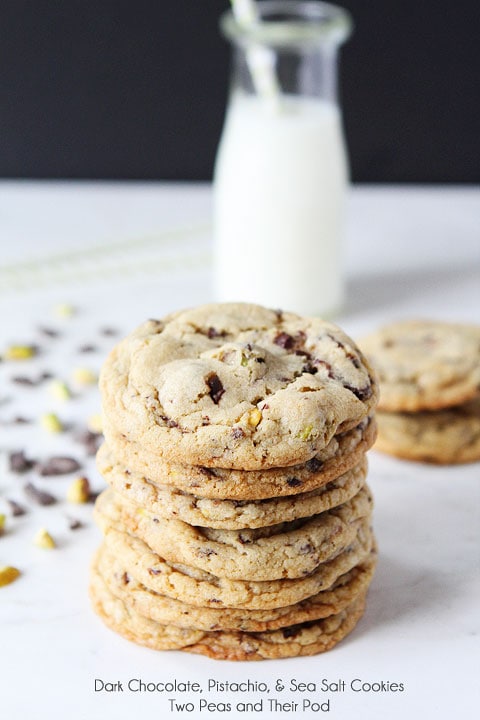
<point x="310" y="71"/>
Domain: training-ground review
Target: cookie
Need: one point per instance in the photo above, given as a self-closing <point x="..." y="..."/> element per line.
<point x="170" y="502"/>
<point x="197" y="587"/>
<point x="449" y="436"/>
<point x="286" y="550"/>
<point x="344" y="451"/>
<point x="425" y="365"/>
<point x="236" y="386"/>
<point x="167" y="611"/>
<point x="304" y="639"/>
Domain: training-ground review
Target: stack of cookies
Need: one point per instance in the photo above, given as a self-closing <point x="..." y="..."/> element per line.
<point x="429" y="374"/>
<point x="237" y="522"/>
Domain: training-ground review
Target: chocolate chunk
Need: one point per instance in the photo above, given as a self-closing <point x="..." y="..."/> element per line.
<point x="154" y="571"/>
<point x="87" y="348"/>
<point x="237" y="433"/>
<point x="284" y="340"/>
<point x="326" y="365"/>
<point x="307" y="549"/>
<point x="39" y="496"/>
<point x="19" y="463"/>
<point x="314" y="465"/>
<point x="206" y="471"/>
<point x="244" y="540"/>
<point x="310" y="369"/>
<point x="294" y="482"/>
<point x="216" y="387"/>
<point x="290" y="632"/>
<point x="205" y="552"/>
<point x="126" y="578"/>
<point x="58" y="465"/>
<point x="15" y="508"/>
<point x="214" y="333"/>
<point x="361" y="393"/>
<point x="168" y="421"/>
<point x="108" y="332"/>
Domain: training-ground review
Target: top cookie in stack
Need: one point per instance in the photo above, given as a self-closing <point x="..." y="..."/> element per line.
<point x="235" y="386"/>
<point x="238" y="523"/>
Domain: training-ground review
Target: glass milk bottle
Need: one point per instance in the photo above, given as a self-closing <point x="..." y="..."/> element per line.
<point x="280" y="177"/>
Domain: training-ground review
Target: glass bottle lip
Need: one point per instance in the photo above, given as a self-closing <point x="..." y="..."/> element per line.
<point x="294" y="23"/>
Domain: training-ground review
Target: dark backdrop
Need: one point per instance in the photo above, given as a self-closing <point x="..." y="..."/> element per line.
<point x="137" y="89"/>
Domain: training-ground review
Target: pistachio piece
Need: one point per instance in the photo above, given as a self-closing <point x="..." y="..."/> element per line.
<point x="84" y="376"/>
<point x="51" y="423"/>
<point x="8" y="574"/>
<point x="95" y="423"/>
<point x="44" y="540"/>
<point x="79" y="490"/>
<point x="254" y="417"/>
<point x="59" y="390"/>
<point x="20" y="352"/>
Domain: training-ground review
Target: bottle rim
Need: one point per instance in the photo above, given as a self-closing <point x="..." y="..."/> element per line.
<point x="284" y="23"/>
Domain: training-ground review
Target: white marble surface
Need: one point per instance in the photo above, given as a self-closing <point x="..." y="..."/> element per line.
<point x="120" y="253"/>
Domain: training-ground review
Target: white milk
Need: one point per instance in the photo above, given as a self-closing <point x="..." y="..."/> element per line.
<point x="279" y="191"/>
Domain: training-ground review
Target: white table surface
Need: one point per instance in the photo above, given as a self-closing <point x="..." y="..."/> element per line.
<point x="120" y="253"/>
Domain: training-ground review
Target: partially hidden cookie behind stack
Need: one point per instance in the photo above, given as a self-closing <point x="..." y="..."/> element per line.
<point x="429" y="375"/>
<point x="237" y="523"/>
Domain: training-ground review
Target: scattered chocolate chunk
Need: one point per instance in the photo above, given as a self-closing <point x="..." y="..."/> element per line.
<point x="237" y="433"/>
<point x="243" y="540"/>
<point x="39" y="496"/>
<point x="31" y="381"/>
<point x="214" y="600"/>
<point x="294" y="482"/>
<point x="48" y="332"/>
<point x="154" y="571"/>
<point x="284" y="340"/>
<point x="74" y="523"/>
<point x="108" y="332"/>
<point x="19" y="463"/>
<point x="216" y="387"/>
<point x="90" y="440"/>
<point x="20" y="420"/>
<point x="126" y="578"/>
<point x="58" y="465"/>
<point x="15" y="508"/>
<point x="87" y="348"/>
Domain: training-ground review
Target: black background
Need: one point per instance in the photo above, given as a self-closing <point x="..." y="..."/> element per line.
<point x="137" y="90"/>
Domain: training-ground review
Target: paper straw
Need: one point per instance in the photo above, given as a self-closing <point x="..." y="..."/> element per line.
<point x="260" y="59"/>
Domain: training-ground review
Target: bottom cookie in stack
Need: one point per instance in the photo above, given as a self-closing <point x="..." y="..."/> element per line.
<point x="303" y="638"/>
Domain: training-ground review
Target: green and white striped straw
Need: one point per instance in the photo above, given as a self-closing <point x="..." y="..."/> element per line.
<point x="260" y="59"/>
